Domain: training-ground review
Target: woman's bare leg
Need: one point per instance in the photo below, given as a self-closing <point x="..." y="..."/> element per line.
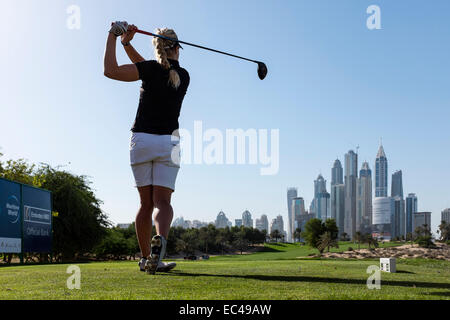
<point x="162" y="212"/>
<point x="144" y="219"/>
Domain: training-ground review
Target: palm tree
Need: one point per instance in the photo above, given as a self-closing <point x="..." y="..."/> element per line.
<point x="221" y="241"/>
<point x="371" y="241"/>
<point x="326" y="241"/>
<point x="275" y="235"/>
<point x="358" y="238"/>
<point x="444" y="230"/>
<point x="298" y="234"/>
<point x="409" y="237"/>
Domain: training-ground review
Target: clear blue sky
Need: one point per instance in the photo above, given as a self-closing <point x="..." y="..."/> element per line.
<point x="332" y="85"/>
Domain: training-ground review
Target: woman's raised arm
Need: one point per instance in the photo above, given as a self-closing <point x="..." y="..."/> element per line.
<point x="112" y="70"/>
<point x="129" y="49"/>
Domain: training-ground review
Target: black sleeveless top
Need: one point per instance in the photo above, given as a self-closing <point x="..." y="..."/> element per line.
<point x="159" y="102"/>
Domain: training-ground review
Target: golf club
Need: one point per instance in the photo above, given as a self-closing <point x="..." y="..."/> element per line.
<point x="262" y="68"/>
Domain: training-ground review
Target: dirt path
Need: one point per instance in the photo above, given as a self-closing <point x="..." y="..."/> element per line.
<point x="408" y="251"/>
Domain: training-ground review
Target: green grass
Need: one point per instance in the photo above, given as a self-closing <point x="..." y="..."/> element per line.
<point x="265" y="275"/>
<point x="286" y="251"/>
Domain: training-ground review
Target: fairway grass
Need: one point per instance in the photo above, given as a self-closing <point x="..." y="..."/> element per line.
<point x="289" y="251"/>
<point x="232" y="277"/>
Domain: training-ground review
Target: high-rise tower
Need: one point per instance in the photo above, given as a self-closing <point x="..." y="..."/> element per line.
<point x="411" y="209"/>
<point x="291" y="194"/>
<point x="262" y="223"/>
<point x="364" y="200"/>
<point x="247" y="220"/>
<point x="321" y="202"/>
<point x="381" y="174"/>
<point x="397" y="184"/>
<point x="398" y="225"/>
<point x="351" y="175"/>
<point x="337" y="198"/>
<point x="337" y="173"/>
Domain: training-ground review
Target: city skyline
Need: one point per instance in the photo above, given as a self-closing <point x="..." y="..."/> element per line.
<point x="402" y="210"/>
<point x="371" y="92"/>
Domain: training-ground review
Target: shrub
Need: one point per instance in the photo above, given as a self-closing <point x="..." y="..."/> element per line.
<point x="425" y="242"/>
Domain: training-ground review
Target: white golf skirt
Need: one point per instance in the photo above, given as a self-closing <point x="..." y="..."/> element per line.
<point x="155" y="159"/>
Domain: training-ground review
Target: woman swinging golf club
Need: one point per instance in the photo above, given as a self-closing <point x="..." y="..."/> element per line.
<point x="154" y="134"/>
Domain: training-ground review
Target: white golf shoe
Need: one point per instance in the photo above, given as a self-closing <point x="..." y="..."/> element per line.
<point x="162" y="266"/>
<point x="158" y="248"/>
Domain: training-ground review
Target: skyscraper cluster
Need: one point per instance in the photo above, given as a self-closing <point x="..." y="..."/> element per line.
<point x="246" y="220"/>
<point x="354" y="205"/>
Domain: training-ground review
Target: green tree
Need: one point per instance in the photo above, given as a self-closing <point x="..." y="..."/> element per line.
<point x="275" y="234"/>
<point x="21" y="171"/>
<point x="444" y="231"/>
<point x="113" y="245"/>
<point x="422" y="231"/>
<point x="80" y="224"/>
<point x="130" y="237"/>
<point x="331" y="227"/>
<point x="189" y="242"/>
<point x="298" y="234"/>
<point x="207" y="236"/>
<point x="358" y="238"/>
<point x="313" y="229"/>
<point x="326" y="240"/>
<point x="240" y="242"/>
<point x="344" y="236"/>
<point x="222" y="242"/>
<point x="409" y="237"/>
<point x="371" y="241"/>
<point x="175" y="233"/>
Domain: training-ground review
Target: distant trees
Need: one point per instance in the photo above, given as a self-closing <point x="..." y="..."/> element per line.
<point x="82" y="229"/>
<point x="80" y="224"/>
<point x="344" y="236"/>
<point x="117" y="244"/>
<point x="275" y="235"/>
<point x="423" y="236"/>
<point x="313" y="229"/>
<point x="241" y="242"/>
<point x="326" y="241"/>
<point x="298" y="234"/>
<point x="321" y="235"/>
<point x="371" y="241"/>
<point x="122" y="243"/>
<point x="359" y="238"/>
<point x="422" y="231"/>
<point x="331" y="227"/>
<point x="213" y="240"/>
<point x="409" y="237"/>
<point x="444" y="231"/>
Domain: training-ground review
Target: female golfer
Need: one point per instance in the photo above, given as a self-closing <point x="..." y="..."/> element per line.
<point x="154" y="136"/>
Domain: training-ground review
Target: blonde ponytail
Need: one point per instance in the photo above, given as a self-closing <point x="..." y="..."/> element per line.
<point x="161" y="54"/>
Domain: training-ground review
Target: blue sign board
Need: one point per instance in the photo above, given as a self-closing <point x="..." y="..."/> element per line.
<point x="37" y="219"/>
<point x="10" y="217"/>
<point x="25" y="218"/>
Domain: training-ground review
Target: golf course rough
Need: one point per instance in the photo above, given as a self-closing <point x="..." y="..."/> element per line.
<point x="282" y="272"/>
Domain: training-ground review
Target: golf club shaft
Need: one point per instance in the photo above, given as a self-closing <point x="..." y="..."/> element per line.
<point x="194" y="45"/>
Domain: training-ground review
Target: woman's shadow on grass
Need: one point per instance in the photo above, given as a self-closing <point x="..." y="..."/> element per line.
<point x="398" y="283"/>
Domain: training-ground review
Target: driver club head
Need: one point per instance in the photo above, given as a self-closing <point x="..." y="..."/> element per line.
<point x="262" y="70"/>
